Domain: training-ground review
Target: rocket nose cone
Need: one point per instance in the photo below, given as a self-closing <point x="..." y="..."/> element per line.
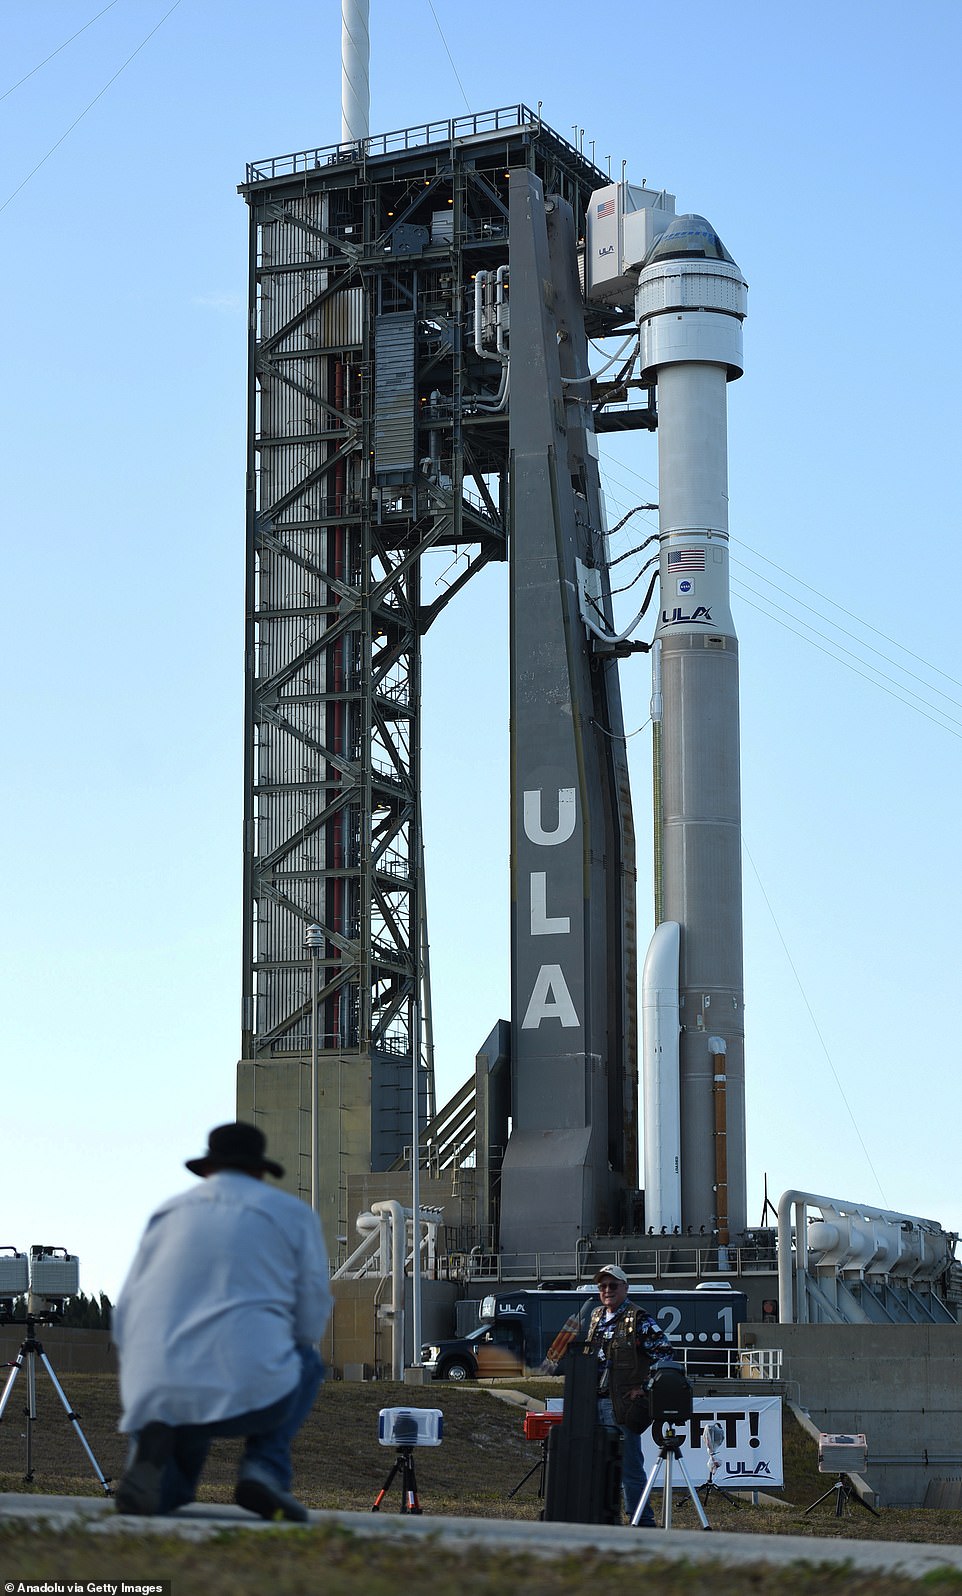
<point x="688" y="237"/>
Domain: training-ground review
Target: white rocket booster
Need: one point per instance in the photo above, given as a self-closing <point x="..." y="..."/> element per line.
<point x="690" y="304"/>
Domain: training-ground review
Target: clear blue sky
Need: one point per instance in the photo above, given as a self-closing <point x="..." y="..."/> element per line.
<point x="822" y="142"/>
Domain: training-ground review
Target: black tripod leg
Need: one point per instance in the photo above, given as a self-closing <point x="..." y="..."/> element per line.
<point x="867" y="1505"/>
<point x="824" y="1498"/>
<point x="410" y="1487"/>
<point x="382" y="1493"/>
<point x="71" y="1415"/>
<point x="711" y="1489"/>
<point x="516" y="1488"/>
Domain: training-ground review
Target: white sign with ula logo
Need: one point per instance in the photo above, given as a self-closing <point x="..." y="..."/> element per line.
<point x="750" y="1456"/>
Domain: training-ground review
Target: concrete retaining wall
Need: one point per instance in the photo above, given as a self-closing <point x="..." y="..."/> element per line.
<point x="900" y="1385"/>
<point x="84" y="1351"/>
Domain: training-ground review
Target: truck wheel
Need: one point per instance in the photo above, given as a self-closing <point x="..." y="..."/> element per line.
<point x="457" y="1369"/>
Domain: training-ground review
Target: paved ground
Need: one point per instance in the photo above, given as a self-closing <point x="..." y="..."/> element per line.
<point x="55" y="1513"/>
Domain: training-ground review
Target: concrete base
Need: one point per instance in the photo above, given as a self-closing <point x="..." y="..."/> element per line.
<point x="416" y="1376"/>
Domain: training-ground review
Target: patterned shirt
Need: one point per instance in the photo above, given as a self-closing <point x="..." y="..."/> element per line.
<point x="650" y="1339"/>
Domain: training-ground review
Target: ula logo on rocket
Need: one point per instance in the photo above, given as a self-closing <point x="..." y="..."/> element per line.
<point x="678" y="617"/>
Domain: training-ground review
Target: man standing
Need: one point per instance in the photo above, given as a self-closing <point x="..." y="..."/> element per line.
<point x="217" y="1326"/>
<point x="626" y="1342"/>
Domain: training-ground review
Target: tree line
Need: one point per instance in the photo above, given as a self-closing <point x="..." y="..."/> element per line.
<point x="78" y="1313"/>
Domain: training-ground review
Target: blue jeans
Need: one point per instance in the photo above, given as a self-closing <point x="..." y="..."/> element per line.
<point x="269" y="1434"/>
<point x="633" y="1476"/>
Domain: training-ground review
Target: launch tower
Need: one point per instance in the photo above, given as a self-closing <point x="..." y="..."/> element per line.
<point x="378" y="432"/>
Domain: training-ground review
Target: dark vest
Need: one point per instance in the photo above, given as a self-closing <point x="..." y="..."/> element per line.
<point x="628" y="1368"/>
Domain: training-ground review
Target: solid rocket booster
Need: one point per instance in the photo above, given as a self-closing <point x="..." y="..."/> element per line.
<point x="690" y="303"/>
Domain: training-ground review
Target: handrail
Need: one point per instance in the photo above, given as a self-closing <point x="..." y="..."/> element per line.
<point x="641" y="1265"/>
<point x="407" y="138"/>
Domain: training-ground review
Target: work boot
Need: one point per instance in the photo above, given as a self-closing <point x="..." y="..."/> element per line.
<point x="140" y="1488"/>
<point x="260" y="1494"/>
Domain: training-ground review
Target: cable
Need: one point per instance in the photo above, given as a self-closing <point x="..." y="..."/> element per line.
<point x="832" y="641"/>
<point x="620" y="737"/>
<point x="621" y="637"/>
<point x="450" y="56"/>
<point x="846" y="632"/>
<point x="639" y="573"/>
<point x="60" y="47"/>
<point x="638" y="546"/>
<point x="633" y="338"/>
<point x="865" y="678"/>
<point x="88" y="107"/>
<point x="867" y="624"/>
<point x="811" y="1015"/>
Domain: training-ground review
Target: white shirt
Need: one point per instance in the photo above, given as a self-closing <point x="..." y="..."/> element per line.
<point x="230" y="1277"/>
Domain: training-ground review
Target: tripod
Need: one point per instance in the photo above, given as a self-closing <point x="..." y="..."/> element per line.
<point x="542" y="1464"/>
<point x="719" y="1490"/>
<point x="669" y="1452"/>
<point x="844" y="1492"/>
<point x="403" y="1463"/>
<point x="30" y="1350"/>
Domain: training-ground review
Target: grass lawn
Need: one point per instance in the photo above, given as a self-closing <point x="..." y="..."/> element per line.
<point x="339" y="1464"/>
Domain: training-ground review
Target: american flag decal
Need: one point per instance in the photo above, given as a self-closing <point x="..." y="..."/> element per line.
<point x="606" y="208"/>
<point x="686" y="559"/>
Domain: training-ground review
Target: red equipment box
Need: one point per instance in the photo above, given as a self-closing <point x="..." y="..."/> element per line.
<point x="538" y="1426"/>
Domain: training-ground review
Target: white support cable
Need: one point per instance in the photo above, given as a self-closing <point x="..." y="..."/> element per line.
<point x="633" y="338"/>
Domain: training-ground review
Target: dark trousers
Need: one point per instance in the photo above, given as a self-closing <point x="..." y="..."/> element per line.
<point x="269" y="1433"/>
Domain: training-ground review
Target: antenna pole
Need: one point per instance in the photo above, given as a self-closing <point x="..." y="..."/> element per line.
<point x="355" y="62"/>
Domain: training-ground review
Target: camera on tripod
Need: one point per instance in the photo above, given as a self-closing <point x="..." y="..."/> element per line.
<point x="670" y="1398"/>
<point x="406" y="1428"/>
<point x="46" y="1278"/>
<point x="671" y="1401"/>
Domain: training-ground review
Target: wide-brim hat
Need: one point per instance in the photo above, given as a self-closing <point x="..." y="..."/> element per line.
<point x="235" y="1146"/>
<point x="611" y="1272"/>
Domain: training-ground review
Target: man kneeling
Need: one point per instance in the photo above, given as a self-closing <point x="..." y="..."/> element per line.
<point x="217" y="1326"/>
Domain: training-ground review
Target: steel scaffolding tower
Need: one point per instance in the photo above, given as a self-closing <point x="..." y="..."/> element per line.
<point x="377" y="433"/>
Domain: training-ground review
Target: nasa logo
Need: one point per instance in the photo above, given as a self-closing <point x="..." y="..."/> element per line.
<point x="685" y="587"/>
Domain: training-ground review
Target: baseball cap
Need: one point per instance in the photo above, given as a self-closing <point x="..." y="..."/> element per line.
<point x="611" y="1272"/>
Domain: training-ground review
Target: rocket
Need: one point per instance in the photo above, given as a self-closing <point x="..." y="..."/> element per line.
<point x="690" y="303"/>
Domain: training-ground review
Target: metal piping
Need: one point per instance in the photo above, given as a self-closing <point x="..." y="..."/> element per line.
<point x="718" y="1048"/>
<point x="480" y="279"/>
<point x="398" y="1231"/>
<point x="802" y="1199"/>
